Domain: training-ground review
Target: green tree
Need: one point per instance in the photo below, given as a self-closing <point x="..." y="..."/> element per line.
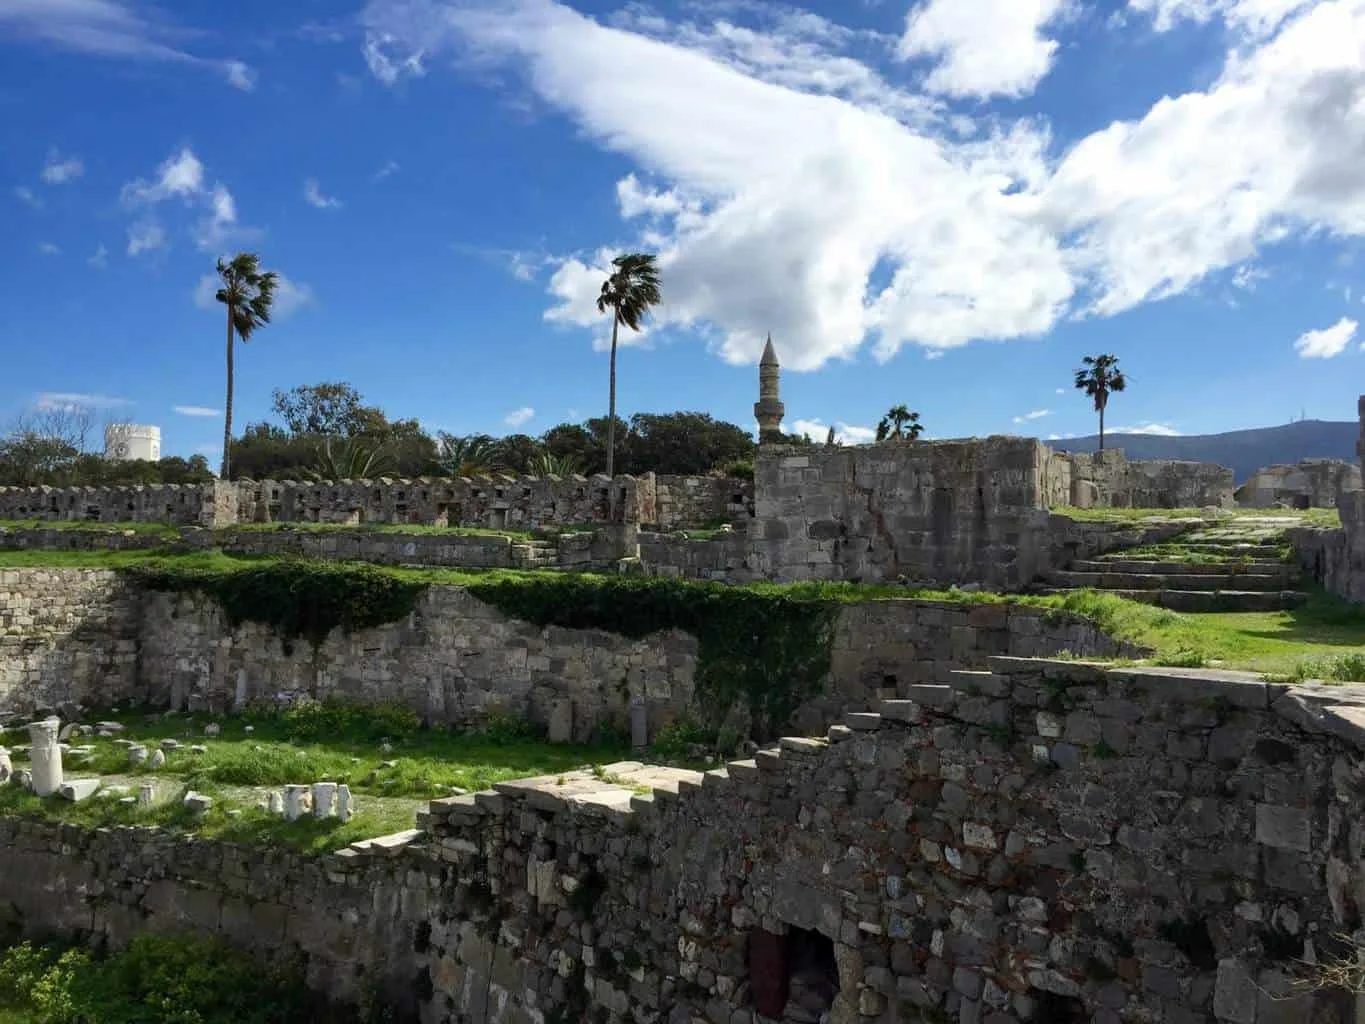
<point x="519" y="451"/>
<point x="327" y="408"/>
<point x="630" y="291"/>
<point x="546" y="464"/>
<point x="248" y="293"/>
<point x="899" y="424"/>
<point x="474" y="455"/>
<point x="684" y="443"/>
<point x="1099" y="377"/>
<point x="349" y="458"/>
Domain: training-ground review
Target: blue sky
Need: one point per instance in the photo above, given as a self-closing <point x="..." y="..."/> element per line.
<point x="944" y="203"/>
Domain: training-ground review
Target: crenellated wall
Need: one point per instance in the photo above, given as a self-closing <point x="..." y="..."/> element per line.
<point x="1042" y="842"/>
<point x="498" y="502"/>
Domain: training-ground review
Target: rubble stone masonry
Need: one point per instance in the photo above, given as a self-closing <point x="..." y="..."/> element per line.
<point x="1043" y="841"/>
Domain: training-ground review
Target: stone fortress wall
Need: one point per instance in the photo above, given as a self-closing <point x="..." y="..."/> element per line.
<point x="87" y="636"/>
<point x="499" y="502"/>
<point x="1335" y="559"/>
<point x="1042" y="842"/>
<point x="1312" y="483"/>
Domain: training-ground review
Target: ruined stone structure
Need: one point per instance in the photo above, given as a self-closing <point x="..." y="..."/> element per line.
<point x="1312" y="483"/>
<point x="1108" y="480"/>
<point x="1336" y="558"/>
<point x="501" y="502"/>
<point x="1043" y="842"/>
<point x="87" y="636"/>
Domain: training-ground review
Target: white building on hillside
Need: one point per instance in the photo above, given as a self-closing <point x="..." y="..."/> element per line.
<point x="127" y="441"/>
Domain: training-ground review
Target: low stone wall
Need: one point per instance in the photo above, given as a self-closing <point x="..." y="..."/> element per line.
<point x="456" y="660"/>
<point x="585" y="551"/>
<point x="1108" y="480"/>
<point x="65" y="636"/>
<point x="1042" y="842"/>
<point x="1312" y="483"/>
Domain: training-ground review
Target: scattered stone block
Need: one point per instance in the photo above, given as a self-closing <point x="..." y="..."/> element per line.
<point x="197" y="803"/>
<point x="77" y="790"/>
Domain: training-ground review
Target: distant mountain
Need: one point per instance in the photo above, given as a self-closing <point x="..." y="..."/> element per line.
<point x="1243" y="451"/>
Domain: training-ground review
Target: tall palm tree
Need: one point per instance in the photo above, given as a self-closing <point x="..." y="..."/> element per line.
<point x="629" y="292"/>
<point x="899" y="424"/>
<point x="248" y="293"/>
<point x="1099" y="377"/>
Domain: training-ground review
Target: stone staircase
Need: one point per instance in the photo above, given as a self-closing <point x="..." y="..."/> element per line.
<point x="1234" y="566"/>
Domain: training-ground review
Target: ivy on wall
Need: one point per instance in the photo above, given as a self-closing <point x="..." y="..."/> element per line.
<point x="298" y="599"/>
<point x="769" y="650"/>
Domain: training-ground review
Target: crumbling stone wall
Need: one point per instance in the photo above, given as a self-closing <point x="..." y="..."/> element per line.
<point x="456" y="659"/>
<point x="1041" y="842"/>
<point x="500" y="502"/>
<point x="1312" y="483"/>
<point x="1108" y="480"/>
<point x="65" y="636"/>
<point x="1335" y="559"/>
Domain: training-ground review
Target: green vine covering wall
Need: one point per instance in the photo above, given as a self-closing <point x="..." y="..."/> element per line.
<point x="770" y="650"/>
<point x="296" y="598"/>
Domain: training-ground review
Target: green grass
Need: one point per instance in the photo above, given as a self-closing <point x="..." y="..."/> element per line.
<point x="1320" y="517"/>
<point x="152" y="529"/>
<point x="418" y="529"/>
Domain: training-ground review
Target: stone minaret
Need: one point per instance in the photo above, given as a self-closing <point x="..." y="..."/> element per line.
<point x="769" y="410"/>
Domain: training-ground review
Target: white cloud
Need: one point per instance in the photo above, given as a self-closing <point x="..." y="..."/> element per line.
<point x="182" y="176"/>
<point x="1036" y="414"/>
<point x="146" y="236"/>
<point x="49" y="248"/>
<point x="1061" y="391"/>
<point x="313" y="196"/>
<point x="1254" y="18"/>
<point x="390" y="167"/>
<point x="519" y="417"/>
<point x="844" y="433"/>
<point x="290" y="296"/>
<point x="60" y="171"/>
<point x="1327" y="342"/>
<point x="983" y="47"/>
<point x="197" y="410"/>
<point x="1247" y="277"/>
<point x="1152" y="429"/>
<point x="100" y="259"/>
<point x="775" y="204"/>
<point x="69" y="400"/>
<point x="239" y="75"/>
<point x="26" y="196"/>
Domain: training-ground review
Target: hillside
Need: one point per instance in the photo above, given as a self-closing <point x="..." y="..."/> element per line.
<point x="1244" y="451"/>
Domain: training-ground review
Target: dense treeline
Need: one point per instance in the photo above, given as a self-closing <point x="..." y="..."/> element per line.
<point x="326" y="431"/>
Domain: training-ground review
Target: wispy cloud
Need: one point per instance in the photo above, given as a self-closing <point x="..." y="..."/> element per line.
<point x="1036" y="414"/>
<point x="25" y="195"/>
<point x="518" y="417"/>
<point x="1061" y="391"/>
<point x="100" y="259"/>
<point x="389" y="168"/>
<point x="523" y="264"/>
<point x="60" y="170"/>
<point x="239" y="75"/>
<point x="1327" y="342"/>
<point x="50" y="400"/>
<point x="313" y="196"/>
<point x="197" y="410"/>
<point x="844" y="433"/>
<point x="146" y="236"/>
<point x="1151" y="429"/>
<point x="49" y="248"/>
<point x="112" y="29"/>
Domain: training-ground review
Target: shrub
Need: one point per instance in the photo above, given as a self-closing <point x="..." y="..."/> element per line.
<point x="309" y="721"/>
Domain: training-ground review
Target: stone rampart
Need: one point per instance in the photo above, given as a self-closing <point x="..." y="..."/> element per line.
<point x="498" y="502"/>
<point x="1108" y="480"/>
<point x="456" y="660"/>
<point x="1043" y="842"/>
<point x="1312" y="483"/>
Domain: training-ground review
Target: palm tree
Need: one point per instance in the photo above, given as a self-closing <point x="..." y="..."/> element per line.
<point x="1099" y="377"/>
<point x="348" y="459"/>
<point x="546" y="464"/>
<point x="248" y="293"/>
<point x="899" y="424"/>
<point x="629" y="292"/>
<point x="474" y="455"/>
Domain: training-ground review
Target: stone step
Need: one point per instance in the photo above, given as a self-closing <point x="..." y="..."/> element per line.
<point x="1212" y="600"/>
<point x="1257" y="582"/>
<point x="1233" y="548"/>
<point x="1117" y="563"/>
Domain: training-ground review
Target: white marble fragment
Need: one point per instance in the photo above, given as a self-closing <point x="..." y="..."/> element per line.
<point x="198" y="802"/>
<point x="6" y="766"/>
<point x="345" y="806"/>
<point x="324" y="799"/>
<point x="77" y="790"/>
<point x="46" y="756"/>
<point x="158" y="760"/>
<point x="274" y="803"/>
<point x="295" y="802"/>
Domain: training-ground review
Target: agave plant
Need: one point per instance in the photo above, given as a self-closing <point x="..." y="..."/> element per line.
<point x="340" y="458"/>
<point x="546" y="464"/>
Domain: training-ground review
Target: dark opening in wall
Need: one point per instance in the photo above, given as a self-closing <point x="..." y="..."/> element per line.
<point x="1050" y="1008"/>
<point x="1302" y="502"/>
<point x="793" y="976"/>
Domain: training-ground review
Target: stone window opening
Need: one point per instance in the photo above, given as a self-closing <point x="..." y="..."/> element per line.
<point x="1050" y="1008"/>
<point x="793" y="976"/>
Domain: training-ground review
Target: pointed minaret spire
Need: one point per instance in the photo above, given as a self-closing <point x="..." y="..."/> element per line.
<point x="769" y="410"/>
